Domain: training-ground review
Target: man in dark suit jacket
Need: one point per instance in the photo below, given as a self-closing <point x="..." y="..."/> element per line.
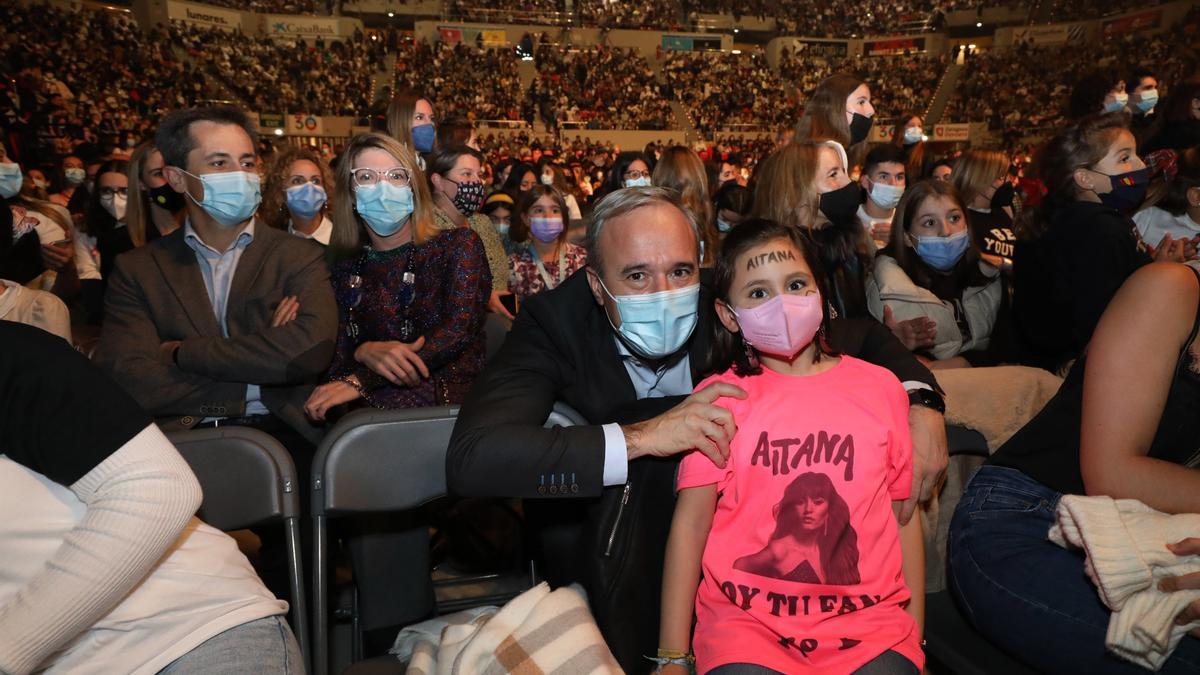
<point x="567" y="345"/>
<point x="226" y="320"/>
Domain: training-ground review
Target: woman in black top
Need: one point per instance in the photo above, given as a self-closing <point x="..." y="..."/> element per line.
<point x="1124" y="424"/>
<point x="1079" y="245"/>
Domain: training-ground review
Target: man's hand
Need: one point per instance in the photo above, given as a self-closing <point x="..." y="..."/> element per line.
<point x="395" y="361"/>
<point x="931" y="455"/>
<point x="328" y="396"/>
<point x="1189" y="546"/>
<point x="287" y="311"/>
<point x="697" y="423"/>
<point x="914" y="333"/>
<point x="166" y="351"/>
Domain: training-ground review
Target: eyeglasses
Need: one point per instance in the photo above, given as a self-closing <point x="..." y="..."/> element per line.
<point x="634" y="175"/>
<point x="109" y="192"/>
<point x="365" y="177"/>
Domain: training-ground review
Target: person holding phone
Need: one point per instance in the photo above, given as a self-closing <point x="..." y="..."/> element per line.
<point x="543" y="257"/>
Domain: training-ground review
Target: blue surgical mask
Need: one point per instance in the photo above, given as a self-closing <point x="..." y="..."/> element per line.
<point x="423" y="137"/>
<point x="913" y="135"/>
<point x="638" y="182"/>
<point x="305" y="200"/>
<point x="885" y="196"/>
<point x="10" y="179"/>
<point x="230" y="197"/>
<point x="657" y="325"/>
<point x="943" y="253"/>
<point x="723" y="226"/>
<point x="1147" y="100"/>
<point x="1117" y="103"/>
<point x="384" y="206"/>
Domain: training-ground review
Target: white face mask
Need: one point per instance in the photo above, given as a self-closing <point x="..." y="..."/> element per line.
<point x="886" y="196"/>
<point x="115" y="205"/>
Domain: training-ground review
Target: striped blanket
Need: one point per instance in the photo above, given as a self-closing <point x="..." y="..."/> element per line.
<point x="538" y="632"/>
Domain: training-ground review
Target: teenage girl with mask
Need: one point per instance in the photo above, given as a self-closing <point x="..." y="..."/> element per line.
<point x="411" y="296"/>
<point x="458" y="190"/>
<point x="154" y="210"/>
<point x="981" y="178"/>
<point x="1079" y="245"/>
<point x="295" y="198"/>
<point x="681" y="169"/>
<point x="410" y="121"/>
<point x="631" y="169"/>
<point x="840" y="110"/>
<point x="931" y="270"/>
<point x="543" y="258"/>
<point x="804" y="185"/>
<point x="790" y="558"/>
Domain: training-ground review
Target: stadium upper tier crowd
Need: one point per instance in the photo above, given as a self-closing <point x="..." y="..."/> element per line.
<point x="767" y="341"/>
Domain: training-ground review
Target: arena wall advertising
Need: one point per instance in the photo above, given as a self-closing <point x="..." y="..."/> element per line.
<point x="206" y="16"/>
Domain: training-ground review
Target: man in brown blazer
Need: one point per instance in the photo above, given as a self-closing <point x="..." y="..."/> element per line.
<point x="226" y="320"/>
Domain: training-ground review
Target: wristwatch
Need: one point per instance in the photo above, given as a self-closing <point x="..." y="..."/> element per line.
<point x="928" y="398"/>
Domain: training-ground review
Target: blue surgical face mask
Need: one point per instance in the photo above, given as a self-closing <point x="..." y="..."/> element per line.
<point x="657" y="325"/>
<point x="1147" y="100"/>
<point x="305" y="200"/>
<point x="230" y="197"/>
<point x="1117" y="103"/>
<point x="638" y="182"/>
<point x="10" y="179"/>
<point x="913" y="135"/>
<point x="723" y="226"/>
<point x="384" y="206"/>
<point x="943" y="253"/>
<point x="423" y="137"/>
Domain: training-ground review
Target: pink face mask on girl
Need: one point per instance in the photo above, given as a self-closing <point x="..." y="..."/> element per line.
<point x="783" y="325"/>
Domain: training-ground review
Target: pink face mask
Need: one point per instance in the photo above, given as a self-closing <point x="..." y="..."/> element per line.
<point x="783" y="325"/>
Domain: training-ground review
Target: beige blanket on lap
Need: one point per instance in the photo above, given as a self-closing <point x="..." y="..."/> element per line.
<point x="998" y="401"/>
<point x="538" y="632"/>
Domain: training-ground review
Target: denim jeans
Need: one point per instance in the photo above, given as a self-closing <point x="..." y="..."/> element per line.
<point x="1025" y="594"/>
<point x="887" y="663"/>
<point x="265" y="646"/>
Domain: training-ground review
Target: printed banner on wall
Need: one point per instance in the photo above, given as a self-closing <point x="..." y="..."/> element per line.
<point x="1132" y="22"/>
<point x="292" y="26"/>
<point x="821" y="47"/>
<point x="893" y="46"/>
<point x="1042" y="35"/>
<point x="204" y="15"/>
<point x="494" y="37"/>
<point x="951" y="132"/>
<point x="450" y="34"/>
<point x="305" y="125"/>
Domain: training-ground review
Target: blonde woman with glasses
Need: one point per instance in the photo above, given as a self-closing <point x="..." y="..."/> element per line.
<point x="411" y="295"/>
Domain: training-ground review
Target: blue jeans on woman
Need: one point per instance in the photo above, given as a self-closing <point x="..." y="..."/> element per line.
<point x="1024" y="593"/>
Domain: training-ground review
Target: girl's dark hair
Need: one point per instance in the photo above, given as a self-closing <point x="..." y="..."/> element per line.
<point x="97" y="220"/>
<point x="966" y="273"/>
<point x="1177" y="106"/>
<point x="455" y="130"/>
<point x="1076" y="147"/>
<point x="615" y="180"/>
<point x="914" y="154"/>
<point x="733" y="197"/>
<point x="513" y="184"/>
<point x="728" y="350"/>
<point x="1087" y="96"/>
<point x="518" y="229"/>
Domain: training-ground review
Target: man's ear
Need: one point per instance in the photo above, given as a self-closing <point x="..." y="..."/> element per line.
<point x="864" y="183"/>
<point x="727" y="317"/>
<point x="593" y="278"/>
<point x="176" y="179"/>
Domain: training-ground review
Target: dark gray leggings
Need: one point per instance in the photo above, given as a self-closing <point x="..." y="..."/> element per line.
<point x="887" y="663"/>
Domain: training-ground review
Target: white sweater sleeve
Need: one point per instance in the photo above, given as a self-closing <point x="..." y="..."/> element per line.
<point x="138" y="501"/>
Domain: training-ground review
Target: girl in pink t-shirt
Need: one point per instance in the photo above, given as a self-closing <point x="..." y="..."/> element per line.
<point x="790" y="555"/>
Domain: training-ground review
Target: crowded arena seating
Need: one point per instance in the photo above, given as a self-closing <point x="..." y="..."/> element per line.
<point x="721" y="89"/>
<point x="597" y="87"/>
<point x="331" y="78"/>
<point x="618" y="14"/>
<point x="475" y="82"/>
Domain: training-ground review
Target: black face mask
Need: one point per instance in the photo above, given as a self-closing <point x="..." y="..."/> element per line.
<point x="166" y="198"/>
<point x="860" y="127"/>
<point x="1003" y="196"/>
<point x="841" y="205"/>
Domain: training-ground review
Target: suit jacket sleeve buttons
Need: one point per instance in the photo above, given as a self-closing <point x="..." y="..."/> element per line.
<point x="574" y="488"/>
<point x="541" y="489"/>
